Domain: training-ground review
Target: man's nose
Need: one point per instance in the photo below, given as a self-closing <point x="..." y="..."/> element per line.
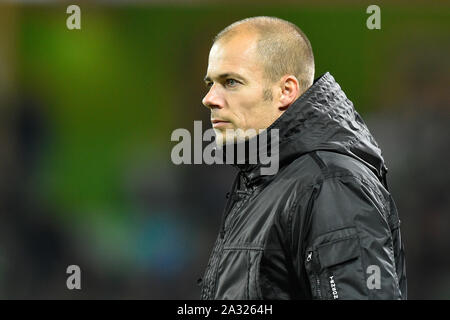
<point x="212" y="99"/>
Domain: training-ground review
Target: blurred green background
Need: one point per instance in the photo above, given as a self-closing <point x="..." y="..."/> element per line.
<point x="86" y="117"/>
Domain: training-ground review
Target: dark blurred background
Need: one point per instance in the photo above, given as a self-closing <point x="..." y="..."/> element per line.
<point x="86" y="117"/>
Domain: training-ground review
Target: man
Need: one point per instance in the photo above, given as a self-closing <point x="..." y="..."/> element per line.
<point x="324" y="226"/>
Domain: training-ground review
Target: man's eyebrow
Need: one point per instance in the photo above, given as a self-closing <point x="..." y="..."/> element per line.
<point x="225" y="75"/>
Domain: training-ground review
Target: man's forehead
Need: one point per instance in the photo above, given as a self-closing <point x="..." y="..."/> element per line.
<point x="235" y="55"/>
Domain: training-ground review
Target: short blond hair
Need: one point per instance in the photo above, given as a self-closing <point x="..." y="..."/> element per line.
<point x="282" y="46"/>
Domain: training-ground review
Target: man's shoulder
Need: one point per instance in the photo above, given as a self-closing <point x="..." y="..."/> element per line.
<point x="315" y="167"/>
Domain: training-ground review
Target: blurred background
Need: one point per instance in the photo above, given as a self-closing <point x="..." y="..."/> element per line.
<point x="86" y="117"/>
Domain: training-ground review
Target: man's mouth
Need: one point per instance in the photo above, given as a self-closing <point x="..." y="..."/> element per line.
<point x="217" y="123"/>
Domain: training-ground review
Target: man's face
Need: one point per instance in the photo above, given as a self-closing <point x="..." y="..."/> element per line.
<point x="239" y="94"/>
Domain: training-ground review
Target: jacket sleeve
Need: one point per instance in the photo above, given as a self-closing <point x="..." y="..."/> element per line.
<point x="343" y="233"/>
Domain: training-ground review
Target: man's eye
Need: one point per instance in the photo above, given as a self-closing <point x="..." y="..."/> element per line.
<point x="209" y="85"/>
<point x="231" y="82"/>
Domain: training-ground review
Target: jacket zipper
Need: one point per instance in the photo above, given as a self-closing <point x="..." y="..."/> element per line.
<point x="210" y="279"/>
<point x="211" y="273"/>
<point x="309" y="257"/>
<point x="316" y="277"/>
<point x="229" y="205"/>
<point x="319" y="294"/>
<point x="207" y="279"/>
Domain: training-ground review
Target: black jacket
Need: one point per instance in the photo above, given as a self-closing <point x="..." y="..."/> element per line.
<point x="324" y="226"/>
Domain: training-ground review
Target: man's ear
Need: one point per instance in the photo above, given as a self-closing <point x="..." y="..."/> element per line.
<point x="290" y="91"/>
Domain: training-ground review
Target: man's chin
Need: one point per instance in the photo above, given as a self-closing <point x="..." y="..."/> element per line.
<point x="233" y="136"/>
<point x="222" y="138"/>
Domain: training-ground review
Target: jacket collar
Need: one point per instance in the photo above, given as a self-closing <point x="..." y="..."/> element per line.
<point x="322" y="118"/>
